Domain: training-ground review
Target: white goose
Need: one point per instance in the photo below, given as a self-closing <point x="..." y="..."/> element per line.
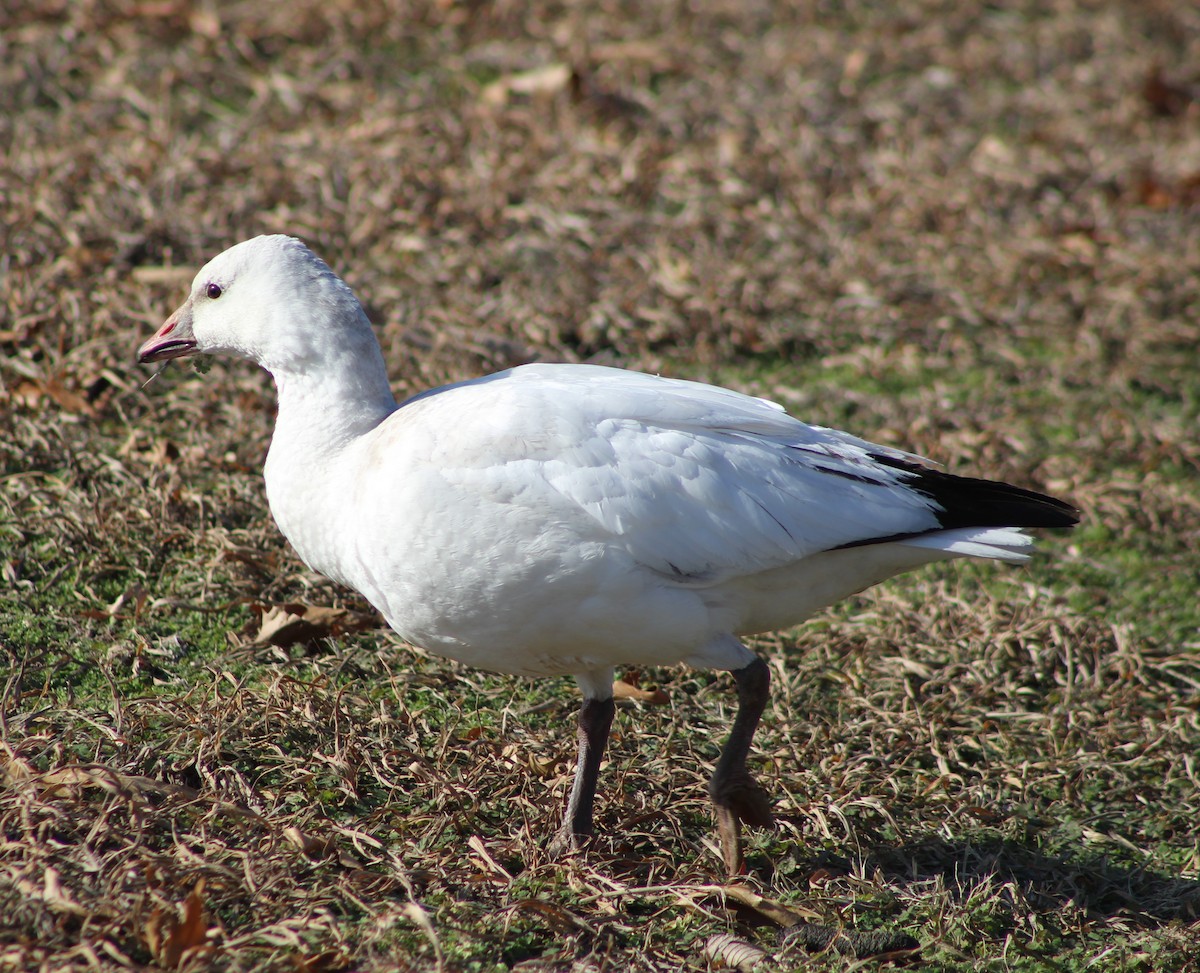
<point x="567" y="519"/>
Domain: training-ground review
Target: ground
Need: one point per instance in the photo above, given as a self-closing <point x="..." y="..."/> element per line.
<point x="967" y="230"/>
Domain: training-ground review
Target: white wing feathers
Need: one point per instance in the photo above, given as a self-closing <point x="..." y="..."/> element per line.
<point x="698" y="483"/>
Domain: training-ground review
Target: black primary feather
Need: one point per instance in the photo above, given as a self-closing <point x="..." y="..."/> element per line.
<point x="968" y="501"/>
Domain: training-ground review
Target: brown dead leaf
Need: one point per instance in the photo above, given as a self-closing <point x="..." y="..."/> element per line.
<point x="65" y="398"/>
<point x="175" y="940"/>
<point x="627" y="690"/>
<point x="288" y="624"/>
<point x="13" y="770"/>
<point x="545" y="768"/>
<point x="65" y="780"/>
<point x="310" y="845"/>
<point x="328" y="848"/>
<point x="1158" y="193"/>
<point x="767" y="908"/>
<point x="502" y="875"/>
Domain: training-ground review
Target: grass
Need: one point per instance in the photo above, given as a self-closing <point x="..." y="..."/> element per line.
<point x="968" y="231"/>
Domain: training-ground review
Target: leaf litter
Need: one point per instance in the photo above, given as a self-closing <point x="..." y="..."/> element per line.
<point x="969" y="231"/>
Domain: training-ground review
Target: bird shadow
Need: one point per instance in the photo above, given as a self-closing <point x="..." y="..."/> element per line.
<point x="1079" y="877"/>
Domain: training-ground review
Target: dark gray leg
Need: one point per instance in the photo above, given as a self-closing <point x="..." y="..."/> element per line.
<point x="595" y="720"/>
<point x="736" y="796"/>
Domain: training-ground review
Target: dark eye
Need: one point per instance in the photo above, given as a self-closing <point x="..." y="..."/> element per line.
<point x="213" y="291"/>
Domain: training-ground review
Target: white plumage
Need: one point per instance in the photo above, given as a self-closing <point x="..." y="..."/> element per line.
<point x="566" y="519"/>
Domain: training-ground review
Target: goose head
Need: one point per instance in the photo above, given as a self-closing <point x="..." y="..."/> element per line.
<point x="269" y="299"/>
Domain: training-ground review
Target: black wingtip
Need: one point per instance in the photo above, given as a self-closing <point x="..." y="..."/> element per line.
<point x="967" y="501"/>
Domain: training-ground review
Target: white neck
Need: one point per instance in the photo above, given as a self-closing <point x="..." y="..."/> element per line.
<point x="322" y="409"/>
<point x="322" y="412"/>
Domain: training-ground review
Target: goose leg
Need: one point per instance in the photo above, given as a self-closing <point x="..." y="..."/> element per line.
<point x="595" y="720"/>
<point x="736" y="796"/>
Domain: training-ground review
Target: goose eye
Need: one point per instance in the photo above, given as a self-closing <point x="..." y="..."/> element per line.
<point x="213" y="291"/>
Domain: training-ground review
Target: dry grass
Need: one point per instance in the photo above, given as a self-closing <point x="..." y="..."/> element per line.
<point x="969" y="231"/>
